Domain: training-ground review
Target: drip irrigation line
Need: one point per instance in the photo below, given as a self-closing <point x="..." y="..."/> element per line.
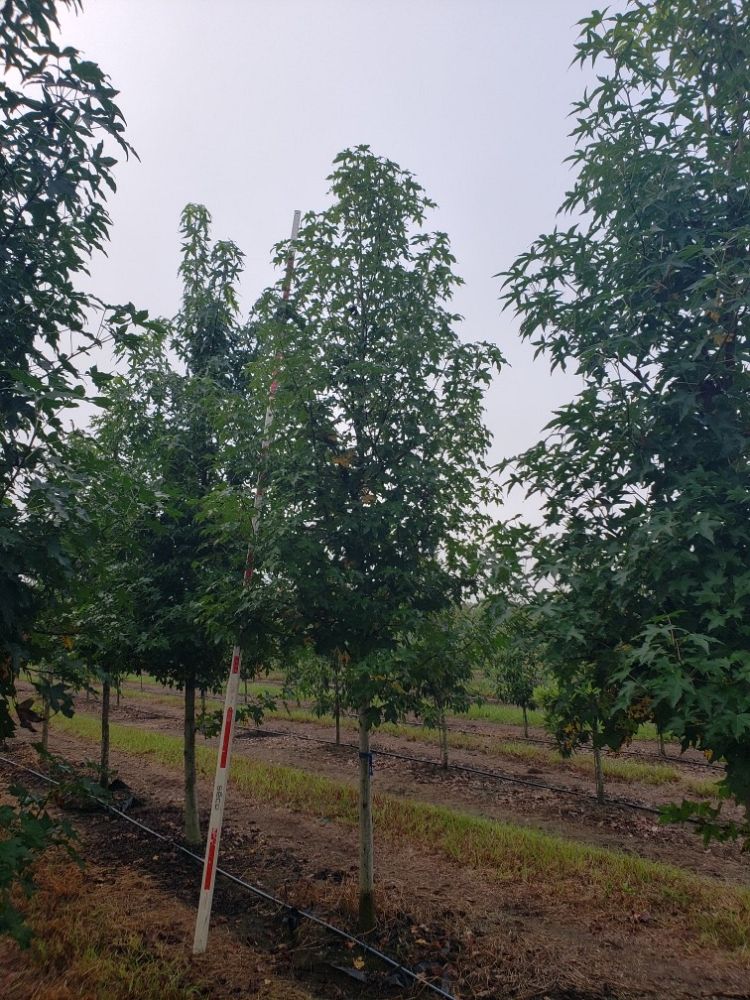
<point x="495" y="775"/>
<point x="551" y="743"/>
<point x="637" y="754"/>
<point x="256" y="890"/>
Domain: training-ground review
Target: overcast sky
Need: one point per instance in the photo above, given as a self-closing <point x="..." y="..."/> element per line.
<point x="243" y="104"/>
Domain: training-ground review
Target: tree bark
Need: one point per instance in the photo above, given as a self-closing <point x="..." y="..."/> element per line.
<point x="598" y="774"/>
<point x="192" y="818"/>
<point x="104" y="758"/>
<point x="525" y="722"/>
<point x="443" y="741"/>
<point x="336" y="702"/>
<point x="117" y="695"/>
<point x="366" y="853"/>
<point x="45" y="723"/>
<point x="662" y="747"/>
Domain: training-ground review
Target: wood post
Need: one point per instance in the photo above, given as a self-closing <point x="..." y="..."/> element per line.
<point x="210" y="860"/>
<point x="223" y="764"/>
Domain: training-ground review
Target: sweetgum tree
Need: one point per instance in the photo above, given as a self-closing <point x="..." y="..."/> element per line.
<point x="645" y="295"/>
<point x="60" y="130"/>
<point x="187" y="432"/>
<point x="378" y="476"/>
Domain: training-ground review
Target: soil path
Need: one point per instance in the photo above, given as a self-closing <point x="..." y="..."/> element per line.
<point x="576" y="816"/>
<point x="479" y="937"/>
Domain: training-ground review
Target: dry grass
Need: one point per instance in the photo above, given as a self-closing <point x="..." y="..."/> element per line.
<point x="562" y="871"/>
<point x="117" y="935"/>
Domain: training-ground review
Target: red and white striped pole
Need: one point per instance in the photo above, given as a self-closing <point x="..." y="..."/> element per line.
<point x="224" y="757"/>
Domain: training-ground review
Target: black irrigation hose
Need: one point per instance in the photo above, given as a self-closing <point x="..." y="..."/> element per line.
<point x="256" y="890"/>
<point x="495" y="775"/>
<point x="551" y="743"/>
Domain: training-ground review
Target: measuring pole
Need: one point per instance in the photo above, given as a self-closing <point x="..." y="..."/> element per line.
<point x="224" y="756"/>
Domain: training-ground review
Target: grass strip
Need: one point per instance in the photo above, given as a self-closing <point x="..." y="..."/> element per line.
<point x="633" y="772"/>
<point x="558" y="868"/>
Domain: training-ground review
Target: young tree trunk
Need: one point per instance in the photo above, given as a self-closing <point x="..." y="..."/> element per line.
<point x="366" y="871"/>
<point x="192" y="819"/>
<point x="203" y="702"/>
<point x="45" y="723"/>
<point x="117" y="695"/>
<point x="141" y="681"/>
<point x="525" y="722"/>
<point x="598" y="773"/>
<point x="245" y="683"/>
<point x="104" y="759"/>
<point x="443" y="741"/>
<point x="336" y="701"/>
<point x="662" y="747"/>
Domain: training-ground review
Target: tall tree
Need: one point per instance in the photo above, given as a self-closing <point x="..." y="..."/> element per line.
<point x="59" y="126"/>
<point x="188" y="432"/>
<point x="645" y="473"/>
<point x="378" y="474"/>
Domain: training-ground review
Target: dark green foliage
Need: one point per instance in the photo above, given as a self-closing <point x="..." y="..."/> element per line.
<point x="378" y="475"/>
<point x="645" y="474"/>
<point x="59" y="126"/>
<point x="516" y="662"/>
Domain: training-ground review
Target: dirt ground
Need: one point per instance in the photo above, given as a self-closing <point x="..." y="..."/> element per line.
<point x="575" y="816"/>
<point x="452" y="923"/>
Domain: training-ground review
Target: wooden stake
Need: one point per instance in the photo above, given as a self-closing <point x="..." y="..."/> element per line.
<point x="224" y="757"/>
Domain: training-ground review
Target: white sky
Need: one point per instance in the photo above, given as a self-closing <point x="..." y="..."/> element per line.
<point x="243" y="104"/>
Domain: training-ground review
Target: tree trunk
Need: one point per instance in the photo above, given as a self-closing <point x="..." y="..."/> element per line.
<point x="104" y="760"/>
<point x="245" y="683"/>
<point x="192" y="819"/>
<point x="336" y="705"/>
<point x="141" y="681"/>
<point x="662" y="747"/>
<point x="443" y="741"/>
<point x="598" y="774"/>
<point x="366" y="875"/>
<point x="45" y="723"/>
<point x="203" y="702"/>
<point x="525" y="722"/>
<point x="117" y="695"/>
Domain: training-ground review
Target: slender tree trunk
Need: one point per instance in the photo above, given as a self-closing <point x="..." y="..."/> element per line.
<point x="192" y="818"/>
<point x="336" y="703"/>
<point x="141" y="681"/>
<point x="117" y="694"/>
<point x="203" y="702"/>
<point x="104" y="760"/>
<point x="366" y="871"/>
<point x="443" y="741"/>
<point x="598" y="773"/>
<point x="45" y="723"/>
<point x="525" y="722"/>
<point x="662" y="747"/>
<point x="245" y="683"/>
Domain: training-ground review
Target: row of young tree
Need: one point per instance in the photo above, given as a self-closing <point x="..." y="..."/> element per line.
<point x="377" y="564"/>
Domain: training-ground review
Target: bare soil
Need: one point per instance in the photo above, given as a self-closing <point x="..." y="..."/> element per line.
<point x="452" y="923"/>
<point x="577" y="816"/>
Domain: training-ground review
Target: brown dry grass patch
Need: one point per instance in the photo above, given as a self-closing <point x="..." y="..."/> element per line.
<point x="107" y="933"/>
